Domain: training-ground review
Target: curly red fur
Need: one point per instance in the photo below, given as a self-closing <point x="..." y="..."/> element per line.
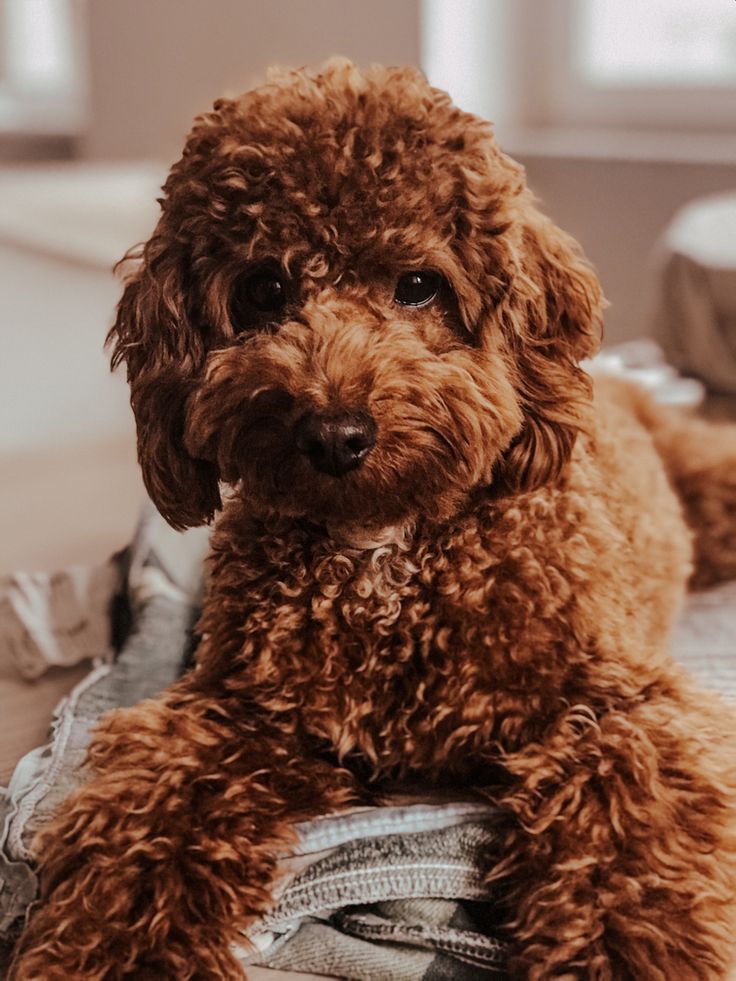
<point x="484" y="603"/>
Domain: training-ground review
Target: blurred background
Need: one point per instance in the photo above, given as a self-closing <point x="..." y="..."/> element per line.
<point x="623" y="113"/>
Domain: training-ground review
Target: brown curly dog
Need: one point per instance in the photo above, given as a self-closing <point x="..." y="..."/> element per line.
<point x="441" y="560"/>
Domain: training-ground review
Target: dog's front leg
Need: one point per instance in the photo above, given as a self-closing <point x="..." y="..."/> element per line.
<point x="150" y="869"/>
<point x="621" y="861"/>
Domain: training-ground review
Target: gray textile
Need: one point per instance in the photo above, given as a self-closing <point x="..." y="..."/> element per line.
<point x="435" y="940"/>
<point x="448" y="863"/>
<point x="374" y="924"/>
<point x="44" y="778"/>
<point x="390" y="907"/>
<point x="705" y="639"/>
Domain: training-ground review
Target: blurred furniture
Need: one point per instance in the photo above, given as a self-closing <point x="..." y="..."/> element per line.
<point x="696" y="304"/>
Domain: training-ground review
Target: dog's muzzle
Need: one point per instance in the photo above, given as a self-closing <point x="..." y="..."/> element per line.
<point x="335" y="444"/>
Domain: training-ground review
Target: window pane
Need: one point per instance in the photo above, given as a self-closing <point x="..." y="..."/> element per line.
<point x="38" y="44"/>
<point x="656" y="42"/>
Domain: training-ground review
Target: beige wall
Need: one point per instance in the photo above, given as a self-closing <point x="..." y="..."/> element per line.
<point x="618" y="209"/>
<point x="154" y="64"/>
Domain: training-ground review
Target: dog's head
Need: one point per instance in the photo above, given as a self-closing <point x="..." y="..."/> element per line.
<point x="352" y="310"/>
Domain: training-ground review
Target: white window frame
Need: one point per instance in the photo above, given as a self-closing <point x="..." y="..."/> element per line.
<point x="512" y="62"/>
<point x="553" y="94"/>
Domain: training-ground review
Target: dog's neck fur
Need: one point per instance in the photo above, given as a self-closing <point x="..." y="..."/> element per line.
<point x="472" y="629"/>
<point x="355" y="536"/>
<point x="300" y="618"/>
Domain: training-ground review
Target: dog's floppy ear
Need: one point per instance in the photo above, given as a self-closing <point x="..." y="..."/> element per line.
<point x="552" y="314"/>
<point x="153" y="334"/>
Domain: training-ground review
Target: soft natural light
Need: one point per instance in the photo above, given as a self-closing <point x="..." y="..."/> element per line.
<point x="650" y="42"/>
<point x="42" y="88"/>
<point x="464" y="42"/>
<point x="38" y="42"/>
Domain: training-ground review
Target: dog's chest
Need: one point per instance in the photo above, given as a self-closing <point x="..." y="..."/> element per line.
<point x="404" y="652"/>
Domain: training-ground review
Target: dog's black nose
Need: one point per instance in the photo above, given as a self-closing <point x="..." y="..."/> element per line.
<point x="335" y="444"/>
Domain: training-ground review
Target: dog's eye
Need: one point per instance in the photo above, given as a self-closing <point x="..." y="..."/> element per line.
<point x="416" y="289"/>
<point x="259" y="299"/>
<point x="265" y="291"/>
